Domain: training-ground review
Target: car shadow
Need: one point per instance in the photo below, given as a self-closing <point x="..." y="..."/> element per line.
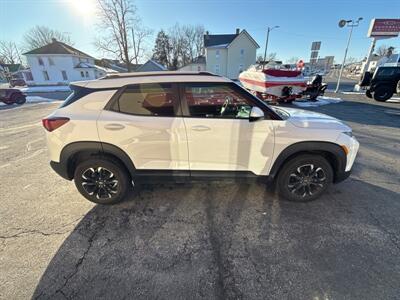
<point x="230" y="240"/>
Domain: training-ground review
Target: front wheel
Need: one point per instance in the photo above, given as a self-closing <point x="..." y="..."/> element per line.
<point x="20" y="99"/>
<point x="102" y="180"/>
<point x="304" y="178"/>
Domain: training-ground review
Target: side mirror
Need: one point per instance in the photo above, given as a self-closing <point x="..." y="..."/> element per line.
<point x="256" y="114"/>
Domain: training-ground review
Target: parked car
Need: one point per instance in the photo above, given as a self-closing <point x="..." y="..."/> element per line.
<point x="381" y="85"/>
<point x="119" y="131"/>
<point x="12" y="96"/>
<point x="17" y="82"/>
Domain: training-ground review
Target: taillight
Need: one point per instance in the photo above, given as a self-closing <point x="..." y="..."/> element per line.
<point x="53" y="123"/>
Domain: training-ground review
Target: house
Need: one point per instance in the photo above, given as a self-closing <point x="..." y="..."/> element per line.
<point x="58" y="64"/>
<point x="198" y="64"/>
<point x="151" y="65"/>
<point x="229" y="54"/>
<point x="116" y="65"/>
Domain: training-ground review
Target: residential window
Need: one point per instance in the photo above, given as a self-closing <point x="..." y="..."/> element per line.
<point x="46" y="76"/>
<point x="216" y="69"/>
<point x="64" y="75"/>
<point x="40" y="61"/>
<point x="216" y="101"/>
<point x="241" y="53"/>
<point x="82" y="74"/>
<point x="149" y="100"/>
<point x="217" y="54"/>
<point x="198" y="68"/>
<point x="28" y="76"/>
<point x="240" y="68"/>
<point x="87" y="74"/>
<point x="51" y="62"/>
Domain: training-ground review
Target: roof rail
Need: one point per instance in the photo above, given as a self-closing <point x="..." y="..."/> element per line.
<point x="158" y="73"/>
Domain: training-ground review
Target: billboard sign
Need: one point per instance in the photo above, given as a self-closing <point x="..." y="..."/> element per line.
<point x="384" y="28"/>
<point x="315" y="46"/>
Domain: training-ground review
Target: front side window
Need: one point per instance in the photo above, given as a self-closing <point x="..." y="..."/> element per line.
<point x="149" y="100"/>
<point x="216" y="101"/>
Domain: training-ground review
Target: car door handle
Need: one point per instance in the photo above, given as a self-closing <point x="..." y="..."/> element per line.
<point x="201" y="128"/>
<point x="114" y="126"/>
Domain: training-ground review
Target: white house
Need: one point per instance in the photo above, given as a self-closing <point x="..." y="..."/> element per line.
<point x="58" y="64"/>
<point x="198" y="64"/>
<point x="229" y="54"/>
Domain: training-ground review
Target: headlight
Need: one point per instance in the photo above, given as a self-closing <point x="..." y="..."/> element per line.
<point x="348" y="133"/>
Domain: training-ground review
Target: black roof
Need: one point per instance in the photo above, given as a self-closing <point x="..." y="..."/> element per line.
<point x="218" y="39"/>
<point x="56" y="47"/>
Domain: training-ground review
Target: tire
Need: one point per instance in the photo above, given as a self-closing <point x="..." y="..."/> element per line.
<point x="93" y="181"/>
<point x="294" y="182"/>
<point x="383" y="93"/>
<point x="19" y="99"/>
<point x="368" y="93"/>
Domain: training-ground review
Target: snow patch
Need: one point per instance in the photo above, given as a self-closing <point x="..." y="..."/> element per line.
<point x="39" y="89"/>
<point x="321" y="100"/>
<point x="38" y="99"/>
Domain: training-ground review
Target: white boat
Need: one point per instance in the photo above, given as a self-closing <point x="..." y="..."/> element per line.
<point x="274" y="83"/>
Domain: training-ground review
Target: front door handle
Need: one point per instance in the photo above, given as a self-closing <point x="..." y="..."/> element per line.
<point x="114" y="126"/>
<point x="200" y="128"/>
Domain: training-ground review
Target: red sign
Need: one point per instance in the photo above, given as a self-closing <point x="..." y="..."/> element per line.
<point x="384" y="28"/>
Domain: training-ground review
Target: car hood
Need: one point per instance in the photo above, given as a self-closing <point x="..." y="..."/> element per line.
<point x="309" y="119"/>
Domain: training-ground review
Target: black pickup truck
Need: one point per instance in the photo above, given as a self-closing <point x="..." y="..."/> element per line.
<point x="383" y="83"/>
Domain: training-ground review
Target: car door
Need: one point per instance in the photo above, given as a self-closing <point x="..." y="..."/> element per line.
<point x="145" y="121"/>
<point x="220" y="134"/>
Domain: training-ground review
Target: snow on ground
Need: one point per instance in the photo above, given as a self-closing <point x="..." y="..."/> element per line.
<point x="321" y="100"/>
<point x="39" y="89"/>
<point x="38" y="99"/>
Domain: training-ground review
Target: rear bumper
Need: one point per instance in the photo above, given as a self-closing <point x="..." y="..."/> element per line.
<point x="60" y="169"/>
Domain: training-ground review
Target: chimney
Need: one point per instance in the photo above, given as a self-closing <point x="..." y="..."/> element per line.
<point x="237" y="31"/>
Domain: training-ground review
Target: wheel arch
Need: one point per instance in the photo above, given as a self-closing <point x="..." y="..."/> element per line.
<point x="331" y="151"/>
<point x="78" y="151"/>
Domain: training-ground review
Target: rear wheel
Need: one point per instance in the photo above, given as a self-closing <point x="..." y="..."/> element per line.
<point x="304" y="178"/>
<point x="383" y="93"/>
<point x="103" y="181"/>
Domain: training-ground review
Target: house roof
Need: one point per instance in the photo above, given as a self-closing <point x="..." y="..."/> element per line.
<point x="153" y="62"/>
<point x="218" y="39"/>
<point x="56" y="47"/>
<point x="224" y="40"/>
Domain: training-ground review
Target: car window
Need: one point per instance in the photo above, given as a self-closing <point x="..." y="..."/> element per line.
<point x="386" y="72"/>
<point x="216" y="101"/>
<point x="148" y="100"/>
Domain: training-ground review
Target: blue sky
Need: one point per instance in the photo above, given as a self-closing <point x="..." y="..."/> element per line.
<point x="301" y="21"/>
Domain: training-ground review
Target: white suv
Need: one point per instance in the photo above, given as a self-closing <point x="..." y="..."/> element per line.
<point x="120" y="130"/>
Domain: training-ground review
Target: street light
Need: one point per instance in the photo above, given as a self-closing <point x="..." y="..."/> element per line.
<point x="351" y="24"/>
<point x="269" y="29"/>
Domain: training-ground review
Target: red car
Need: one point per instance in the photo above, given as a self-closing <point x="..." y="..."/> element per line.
<point x="11" y="96"/>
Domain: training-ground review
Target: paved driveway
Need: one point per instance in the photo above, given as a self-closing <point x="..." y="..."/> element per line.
<point x="215" y="240"/>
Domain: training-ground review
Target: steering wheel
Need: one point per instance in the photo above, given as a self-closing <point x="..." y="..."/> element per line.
<point x="225" y="105"/>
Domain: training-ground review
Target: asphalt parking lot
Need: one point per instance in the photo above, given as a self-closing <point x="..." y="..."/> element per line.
<point x="210" y="240"/>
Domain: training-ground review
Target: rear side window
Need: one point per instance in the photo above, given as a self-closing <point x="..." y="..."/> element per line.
<point x="79" y="92"/>
<point x="149" y="100"/>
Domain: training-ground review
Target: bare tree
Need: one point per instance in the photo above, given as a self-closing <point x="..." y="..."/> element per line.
<point x="293" y="60"/>
<point x="40" y="36"/>
<point x="271" y="56"/>
<point x="9" y="53"/>
<point x="123" y="35"/>
<point x="384" y="50"/>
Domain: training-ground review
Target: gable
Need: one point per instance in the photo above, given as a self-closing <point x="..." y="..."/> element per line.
<point x="244" y="37"/>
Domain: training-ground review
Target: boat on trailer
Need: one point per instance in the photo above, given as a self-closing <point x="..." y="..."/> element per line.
<point x="274" y="84"/>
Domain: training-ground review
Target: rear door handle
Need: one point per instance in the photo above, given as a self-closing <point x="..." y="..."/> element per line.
<point x="114" y="126"/>
<point x="200" y="128"/>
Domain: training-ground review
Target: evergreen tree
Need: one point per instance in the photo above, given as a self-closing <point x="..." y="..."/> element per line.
<point x="162" y="49"/>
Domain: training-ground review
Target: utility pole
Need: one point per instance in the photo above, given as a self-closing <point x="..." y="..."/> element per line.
<point x="269" y="29"/>
<point x="351" y="24"/>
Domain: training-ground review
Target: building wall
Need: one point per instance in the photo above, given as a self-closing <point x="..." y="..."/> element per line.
<point x="194" y="67"/>
<point x="54" y="70"/>
<point x="241" y="55"/>
<point x="217" y="60"/>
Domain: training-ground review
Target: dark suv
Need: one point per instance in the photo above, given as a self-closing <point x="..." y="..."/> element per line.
<point x="382" y="83"/>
